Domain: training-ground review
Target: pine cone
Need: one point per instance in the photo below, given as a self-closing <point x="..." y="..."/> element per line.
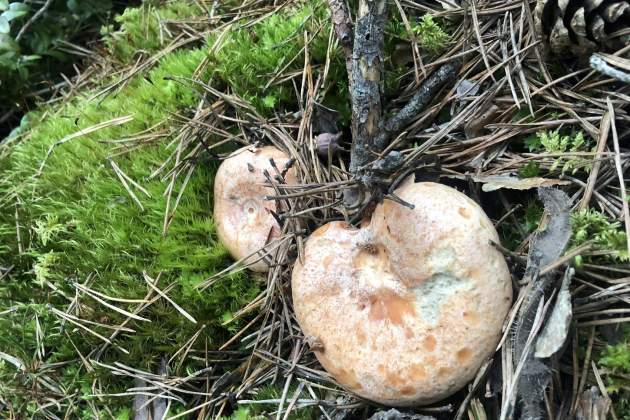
<point x="580" y="27"/>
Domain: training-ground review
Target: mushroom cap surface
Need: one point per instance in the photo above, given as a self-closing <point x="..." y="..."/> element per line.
<point x="242" y="215"/>
<point x="405" y="309"/>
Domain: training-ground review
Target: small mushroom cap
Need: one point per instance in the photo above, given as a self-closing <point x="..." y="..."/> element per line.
<point x="242" y="215"/>
<point x="405" y="309"/>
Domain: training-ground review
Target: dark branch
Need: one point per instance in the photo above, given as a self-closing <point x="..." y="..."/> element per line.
<point x="423" y="97"/>
<point x="370" y="133"/>
<point x="367" y="80"/>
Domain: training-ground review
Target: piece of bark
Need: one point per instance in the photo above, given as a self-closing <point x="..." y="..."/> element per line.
<point x="546" y="246"/>
<point x="554" y="336"/>
<point x="141" y="407"/>
<point x="328" y="143"/>
<point x="367" y="80"/>
<point x="513" y="182"/>
<point x="342" y="25"/>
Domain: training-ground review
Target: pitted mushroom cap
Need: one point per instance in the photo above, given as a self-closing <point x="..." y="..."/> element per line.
<point x="405" y="309"/>
<point x="242" y="215"/>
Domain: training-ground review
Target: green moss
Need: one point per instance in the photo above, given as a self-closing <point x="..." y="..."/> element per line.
<point x="616" y="362"/>
<point x="252" y="61"/>
<point x="431" y="36"/>
<point x="141" y="30"/>
<point x="260" y="411"/>
<point x="607" y="236"/>
<point x="78" y="224"/>
<point x="555" y="142"/>
<point x="532" y="169"/>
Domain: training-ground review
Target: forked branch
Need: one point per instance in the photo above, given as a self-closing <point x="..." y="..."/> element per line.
<point x="371" y="133"/>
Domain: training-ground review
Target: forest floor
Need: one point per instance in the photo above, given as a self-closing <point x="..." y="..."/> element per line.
<point x="116" y="296"/>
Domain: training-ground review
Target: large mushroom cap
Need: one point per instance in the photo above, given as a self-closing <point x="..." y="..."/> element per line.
<point x="405" y="309"/>
<point x="241" y="213"/>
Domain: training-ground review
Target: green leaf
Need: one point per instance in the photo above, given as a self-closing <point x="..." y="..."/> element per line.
<point x="16" y="10"/>
<point x="5" y="28"/>
<point x="7" y="44"/>
<point x="55" y="54"/>
<point x="23" y="72"/>
<point x="532" y="143"/>
<point x="73" y="6"/>
<point x="124" y="414"/>
<point x="18" y="7"/>
<point x="40" y="42"/>
<point x="269" y="101"/>
<point x="530" y="170"/>
<point x="32" y="57"/>
<point x="4" y="5"/>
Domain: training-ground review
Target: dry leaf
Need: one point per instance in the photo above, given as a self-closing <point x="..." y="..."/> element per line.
<point x="513" y="182"/>
<point x="556" y="329"/>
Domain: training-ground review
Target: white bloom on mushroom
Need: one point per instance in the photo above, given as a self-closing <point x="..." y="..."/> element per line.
<point x="406" y="308"/>
<point x="243" y="218"/>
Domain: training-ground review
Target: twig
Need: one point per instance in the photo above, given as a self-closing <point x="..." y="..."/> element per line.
<point x="367" y="80"/>
<point x="343" y="29"/>
<point x="32" y="20"/>
<point x="598" y="63"/>
<point x="622" y="184"/>
<point x="423" y="97"/>
<point x="604" y="129"/>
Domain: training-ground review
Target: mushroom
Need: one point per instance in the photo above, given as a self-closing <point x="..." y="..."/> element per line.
<point x="242" y="216"/>
<point x="406" y="308"/>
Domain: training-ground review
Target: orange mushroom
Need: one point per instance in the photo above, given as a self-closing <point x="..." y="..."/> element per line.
<point x="405" y="309"/>
<point x="242" y="216"/>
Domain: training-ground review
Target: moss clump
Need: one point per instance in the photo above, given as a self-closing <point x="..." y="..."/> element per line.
<point x="77" y="224"/>
<point x="261" y="411"/>
<point x="141" y="30"/>
<point x="431" y="35"/>
<point x="555" y="142"/>
<point x="253" y="61"/>
<point x="616" y="363"/>
<point x="589" y="224"/>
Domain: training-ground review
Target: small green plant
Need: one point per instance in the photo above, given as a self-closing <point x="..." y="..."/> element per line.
<point x="554" y="142"/>
<point x="528" y="218"/>
<point x="616" y="361"/>
<point x="432" y="33"/>
<point x="262" y="410"/>
<point x="431" y="36"/>
<point x="589" y="224"/>
<point x="532" y="169"/>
